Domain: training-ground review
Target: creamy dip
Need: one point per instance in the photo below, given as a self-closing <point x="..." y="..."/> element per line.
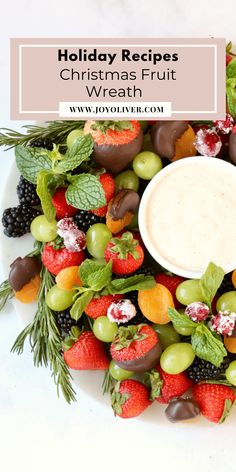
<point x="188" y="215"/>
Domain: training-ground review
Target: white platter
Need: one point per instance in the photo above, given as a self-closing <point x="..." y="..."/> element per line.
<point x="89" y="382"/>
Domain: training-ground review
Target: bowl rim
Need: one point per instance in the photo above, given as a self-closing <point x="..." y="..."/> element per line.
<point x="160" y="259"/>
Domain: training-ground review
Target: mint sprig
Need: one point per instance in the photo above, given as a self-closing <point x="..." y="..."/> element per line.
<point x="85" y="192"/>
<point x="180" y="320"/>
<point x="31" y="161"/>
<point x="231" y="95"/>
<point x="207" y="346"/>
<point x="135" y="282"/>
<point x="78" y="153"/>
<point x="210" y="281"/>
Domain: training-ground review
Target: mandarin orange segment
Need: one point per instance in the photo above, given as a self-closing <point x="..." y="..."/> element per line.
<point x="115" y="226"/>
<point x="234" y="278"/>
<point x="154" y="303"/>
<point x="230" y="344"/>
<point x="29" y="293"/>
<point x="68" y="278"/>
<point x="184" y="146"/>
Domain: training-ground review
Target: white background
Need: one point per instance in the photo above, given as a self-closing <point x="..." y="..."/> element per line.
<point x="38" y="431"/>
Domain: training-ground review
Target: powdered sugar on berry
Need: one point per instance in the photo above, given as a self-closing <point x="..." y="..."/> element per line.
<point x="197" y="311"/>
<point x="223" y="322"/>
<point x="208" y="142"/>
<point x="122" y="311"/>
<point x="225" y="126"/>
<point x="74" y="238"/>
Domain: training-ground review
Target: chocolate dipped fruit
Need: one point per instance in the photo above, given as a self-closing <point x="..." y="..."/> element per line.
<point x="121" y="210"/>
<point x="182" y="409"/>
<point x="24" y="278"/>
<point x="173" y="139"/>
<point x="232" y="146"/>
<point x="115" y="142"/>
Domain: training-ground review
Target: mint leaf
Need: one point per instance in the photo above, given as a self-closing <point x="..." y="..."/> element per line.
<point x="210" y="282"/>
<point x="181" y="320"/>
<point x="87" y="268"/>
<point x="80" y="304"/>
<point x="30" y="161"/>
<point x="85" y="192"/>
<point x="231" y="96"/>
<point x="207" y="347"/>
<point x="43" y="190"/>
<point x="136" y="282"/>
<point x="101" y="278"/>
<point x="231" y="69"/>
<point x="79" y="152"/>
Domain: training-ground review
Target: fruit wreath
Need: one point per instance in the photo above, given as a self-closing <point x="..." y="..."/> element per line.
<point x="103" y="303"/>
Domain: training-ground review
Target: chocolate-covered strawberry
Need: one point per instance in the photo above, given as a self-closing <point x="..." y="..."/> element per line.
<point x="115" y="142"/>
<point x="173" y="139"/>
<point x="136" y="348"/>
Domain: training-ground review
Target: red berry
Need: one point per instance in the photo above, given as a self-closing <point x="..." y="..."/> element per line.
<point x="223" y="323"/>
<point x="74" y="238"/>
<point x="87" y="353"/>
<point x="197" y="311"/>
<point x="99" y="306"/>
<point x="171" y="282"/>
<point x="121" y="311"/>
<point x="63" y="209"/>
<point x="214" y="400"/>
<point x="172" y="386"/>
<point x="109" y="187"/>
<point x="57" y="259"/>
<point x="225" y="126"/>
<point x="130" y="398"/>
<point x="126" y="254"/>
<point x="208" y="142"/>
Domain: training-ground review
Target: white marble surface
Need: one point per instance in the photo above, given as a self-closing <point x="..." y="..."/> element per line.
<point x="38" y="431"/>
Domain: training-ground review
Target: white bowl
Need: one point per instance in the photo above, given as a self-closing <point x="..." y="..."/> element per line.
<point x="145" y="206"/>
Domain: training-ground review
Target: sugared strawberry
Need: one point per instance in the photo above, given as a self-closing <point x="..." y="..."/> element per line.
<point x="126" y="254"/>
<point x="115" y="142"/>
<point x="171" y="282"/>
<point x="225" y="126"/>
<point x="165" y="386"/>
<point x="223" y="323"/>
<point x="129" y="398"/>
<point x="74" y="238"/>
<point x="215" y="400"/>
<point x="87" y="353"/>
<point x="57" y="259"/>
<point x="63" y="209"/>
<point x="121" y="311"/>
<point x="99" y="306"/>
<point x="136" y="348"/>
<point x="208" y="142"/>
<point x="197" y="311"/>
<point x="109" y="187"/>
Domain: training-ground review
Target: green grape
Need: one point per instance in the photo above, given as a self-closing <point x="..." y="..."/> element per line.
<point x="146" y="164"/>
<point x="73" y="136"/>
<point x="183" y="331"/>
<point x="58" y="299"/>
<point x="127" y="179"/>
<point x="189" y="291"/>
<point x="43" y="230"/>
<point x="118" y="373"/>
<point x="166" y="334"/>
<point x="177" y="358"/>
<point x="104" y="329"/>
<point x="227" y="301"/>
<point x="97" y="238"/>
<point x="230" y="373"/>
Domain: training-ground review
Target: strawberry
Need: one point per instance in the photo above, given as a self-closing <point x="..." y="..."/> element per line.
<point x="125" y="252"/>
<point x="99" y="306"/>
<point x="87" y="353"/>
<point x="109" y="187"/>
<point x="171" y="282"/>
<point x="136" y="348"/>
<point x="164" y="386"/>
<point x="215" y="400"/>
<point x="57" y="259"/>
<point x="116" y="143"/>
<point x="129" y="398"/>
<point x="63" y="209"/>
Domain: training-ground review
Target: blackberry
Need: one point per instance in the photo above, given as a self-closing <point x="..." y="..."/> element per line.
<point x="138" y="318"/>
<point x="65" y="322"/>
<point x="17" y="220"/>
<point x="226" y="285"/>
<point x="42" y="143"/>
<point x="84" y="219"/>
<point x="145" y="269"/>
<point x="203" y="370"/>
<point x="26" y="192"/>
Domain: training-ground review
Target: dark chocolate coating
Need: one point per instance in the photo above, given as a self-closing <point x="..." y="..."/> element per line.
<point x="232" y="147"/>
<point x="180" y="409"/>
<point x="164" y="135"/>
<point x="144" y="363"/>
<point x="124" y="201"/>
<point x="116" y="157"/>
<point x="23" y="270"/>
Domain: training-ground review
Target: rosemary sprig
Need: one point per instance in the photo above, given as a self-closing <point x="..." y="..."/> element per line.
<point x="6" y="293"/>
<point x="108" y="382"/>
<point x="45" y="341"/>
<point x="54" y="130"/>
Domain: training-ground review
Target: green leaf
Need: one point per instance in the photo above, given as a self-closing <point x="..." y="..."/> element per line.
<point x="30" y="161"/>
<point x="180" y="320"/>
<point x="210" y="282"/>
<point x="231" y="96"/>
<point x="231" y="69"/>
<point x="136" y="282"/>
<point x="79" y="152"/>
<point x="85" y="192"/>
<point x="153" y="381"/>
<point x="227" y="408"/>
<point x="80" y="304"/>
<point x="101" y="278"/>
<point x="87" y="268"/>
<point x="207" y="347"/>
<point x="43" y="190"/>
